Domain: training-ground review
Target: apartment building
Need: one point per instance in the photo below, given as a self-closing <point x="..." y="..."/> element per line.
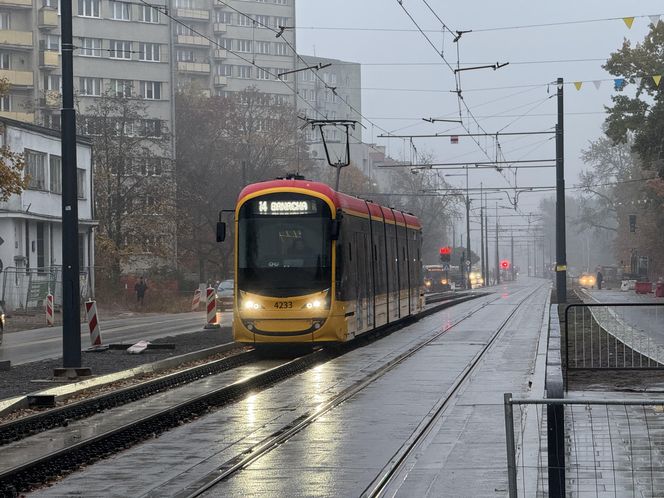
<point x="243" y="31"/>
<point x="122" y="47"/>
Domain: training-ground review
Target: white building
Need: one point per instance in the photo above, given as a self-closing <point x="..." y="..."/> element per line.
<point x="30" y="223"/>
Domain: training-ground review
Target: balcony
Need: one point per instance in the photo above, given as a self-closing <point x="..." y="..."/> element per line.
<point x="52" y="99"/>
<point x="22" y="4"/>
<point x="48" y="18"/>
<point x="16" y="38"/>
<point x="26" y="117"/>
<point x="17" y="78"/>
<point x="198" y="14"/>
<point x="219" y="27"/>
<point x="220" y="53"/>
<point x="220" y="81"/>
<point x="194" y="67"/>
<point x="198" y="41"/>
<point x="49" y="59"/>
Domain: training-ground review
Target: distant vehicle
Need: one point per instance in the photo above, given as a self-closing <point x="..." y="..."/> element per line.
<point x="225" y="294"/>
<point x="2" y="323"/>
<point x="587" y="281"/>
<point x="436" y="278"/>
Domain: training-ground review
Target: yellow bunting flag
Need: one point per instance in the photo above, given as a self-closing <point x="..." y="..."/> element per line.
<point x="657" y="78"/>
<point x="628" y="21"/>
<point x="578" y="84"/>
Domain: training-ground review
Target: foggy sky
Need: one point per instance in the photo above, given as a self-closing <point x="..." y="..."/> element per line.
<point x="394" y="110"/>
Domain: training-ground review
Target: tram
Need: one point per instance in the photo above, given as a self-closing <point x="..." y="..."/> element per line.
<point x="314" y="265"/>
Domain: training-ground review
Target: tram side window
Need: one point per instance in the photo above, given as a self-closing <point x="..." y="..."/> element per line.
<point x="379" y="257"/>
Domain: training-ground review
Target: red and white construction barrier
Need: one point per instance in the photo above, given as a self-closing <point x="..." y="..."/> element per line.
<point x="93" y="323"/>
<point x="211" y="300"/>
<point x="49" y="309"/>
<point x="195" y="303"/>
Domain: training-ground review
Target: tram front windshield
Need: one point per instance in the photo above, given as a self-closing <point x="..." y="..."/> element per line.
<point x="284" y="245"/>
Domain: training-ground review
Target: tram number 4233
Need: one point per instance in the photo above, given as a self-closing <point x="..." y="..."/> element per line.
<point x="282" y="305"/>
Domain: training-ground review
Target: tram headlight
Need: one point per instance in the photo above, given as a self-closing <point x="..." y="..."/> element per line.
<point x="251" y="305"/>
<point x="316" y="304"/>
<point x="428" y="283"/>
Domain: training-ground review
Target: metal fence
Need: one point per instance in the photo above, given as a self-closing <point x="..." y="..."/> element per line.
<point x="614" y="336"/>
<point x="24" y="289"/>
<point x="610" y="447"/>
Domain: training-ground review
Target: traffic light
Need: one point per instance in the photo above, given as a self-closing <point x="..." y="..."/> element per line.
<point x="445" y="254"/>
<point x="505" y="264"/>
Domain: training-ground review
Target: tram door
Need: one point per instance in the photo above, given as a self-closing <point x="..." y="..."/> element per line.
<point x="362" y="270"/>
<point x="367" y="280"/>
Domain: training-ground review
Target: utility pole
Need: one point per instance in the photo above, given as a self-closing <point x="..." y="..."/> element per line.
<point x="482" y="238"/>
<point x="469" y="253"/>
<point x="497" y="256"/>
<point x="71" y="305"/>
<point x="486" y="238"/>
<point x="561" y="251"/>
<point x="512" y="255"/>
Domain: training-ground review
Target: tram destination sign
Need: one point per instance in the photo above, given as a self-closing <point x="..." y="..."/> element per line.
<point x="285" y="207"/>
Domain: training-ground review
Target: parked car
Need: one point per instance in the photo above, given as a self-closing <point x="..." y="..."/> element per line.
<point x="2" y="323"/>
<point x="225" y="294"/>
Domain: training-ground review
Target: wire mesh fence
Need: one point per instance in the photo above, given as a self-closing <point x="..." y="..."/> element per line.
<point x="611" y="447"/>
<point x="614" y="336"/>
<point x="24" y="289"/>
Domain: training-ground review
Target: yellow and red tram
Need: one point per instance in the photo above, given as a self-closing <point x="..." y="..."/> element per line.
<point x="313" y="265"/>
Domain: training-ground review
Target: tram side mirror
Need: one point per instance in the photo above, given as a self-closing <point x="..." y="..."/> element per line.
<point x="221" y="231"/>
<point x="335" y="226"/>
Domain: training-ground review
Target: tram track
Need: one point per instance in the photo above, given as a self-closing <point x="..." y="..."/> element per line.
<point x="273" y="441"/>
<point x="54" y="464"/>
<point x="385" y="478"/>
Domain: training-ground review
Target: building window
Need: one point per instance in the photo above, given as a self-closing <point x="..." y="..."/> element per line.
<point x="185" y="4"/>
<point x="223" y="17"/>
<point x="224" y="70"/>
<point x="90" y="87"/>
<point x="53" y="83"/>
<point x="120" y="49"/>
<point x="80" y="182"/>
<point x="148" y="52"/>
<point x="152" y="128"/>
<point x="184" y="55"/>
<point x="243" y="45"/>
<point x="5" y="60"/>
<point x="5" y="20"/>
<point x="151" y="90"/>
<point x="262" y="74"/>
<point x="52" y="42"/>
<point x="263" y="47"/>
<point x="90" y="47"/>
<point x="120" y="11"/>
<point x="281" y="49"/>
<point x="121" y="88"/>
<point x="263" y="21"/>
<point x="244" y="72"/>
<point x="35" y="164"/>
<point x="88" y="8"/>
<point x="243" y="20"/>
<point x="149" y="166"/>
<point x="226" y="43"/>
<point x="281" y="70"/>
<point x="6" y="103"/>
<point x="55" y="174"/>
<point x="148" y="14"/>
<point x="281" y="2"/>
<point x="281" y="21"/>
<point x="181" y="29"/>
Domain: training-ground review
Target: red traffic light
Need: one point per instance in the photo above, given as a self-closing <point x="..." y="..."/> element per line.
<point x="504" y="264"/>
<point x="446" y="250"/>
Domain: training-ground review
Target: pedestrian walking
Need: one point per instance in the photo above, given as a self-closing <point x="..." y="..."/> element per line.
<point x="140" y="287"/>
<point x="600" y="278"/>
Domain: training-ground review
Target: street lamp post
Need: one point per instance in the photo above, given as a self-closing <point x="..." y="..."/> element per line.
<point x="468" y="251"/>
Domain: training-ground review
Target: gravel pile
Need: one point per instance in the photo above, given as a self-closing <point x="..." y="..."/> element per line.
<point x="30" y="377"/>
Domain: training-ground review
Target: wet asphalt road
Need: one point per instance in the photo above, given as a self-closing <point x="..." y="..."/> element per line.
<point x="45" y="343"/>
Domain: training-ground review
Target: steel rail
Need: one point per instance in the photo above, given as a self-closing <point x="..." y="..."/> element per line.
<point x="39" y="422"/>
<point x="379" y="485"/>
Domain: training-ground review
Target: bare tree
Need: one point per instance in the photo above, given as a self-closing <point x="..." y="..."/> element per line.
<point x="133" y="181"/>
